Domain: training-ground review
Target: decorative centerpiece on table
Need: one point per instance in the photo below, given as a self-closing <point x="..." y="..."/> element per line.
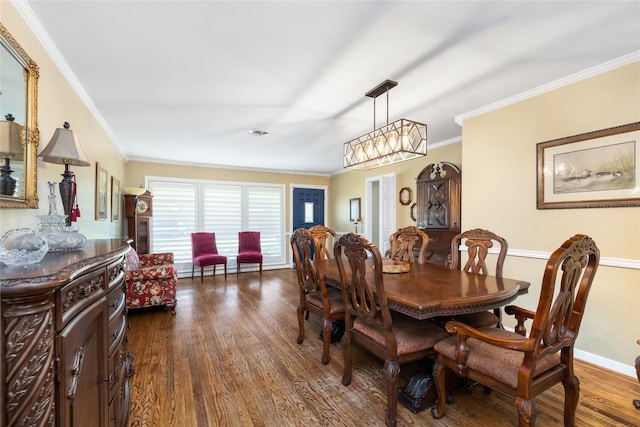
<point x="395" y="266"/>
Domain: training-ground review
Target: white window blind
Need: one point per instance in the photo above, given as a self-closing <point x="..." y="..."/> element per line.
<point x="181" y="207"/>
<point x="175" y="217"/>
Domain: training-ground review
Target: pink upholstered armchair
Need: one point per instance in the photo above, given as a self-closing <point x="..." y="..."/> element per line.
<point x="151" y="280"/>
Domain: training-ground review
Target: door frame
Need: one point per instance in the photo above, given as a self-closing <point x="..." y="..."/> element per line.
<point x="369" y="209"/>
<point x="289" y="229"/>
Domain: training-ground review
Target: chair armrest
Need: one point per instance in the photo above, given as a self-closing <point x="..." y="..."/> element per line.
<point x="519" y="311"/>
<point x="521" y="315"/>
<point x="465" y="331"/>
<point x="154" y="260"/>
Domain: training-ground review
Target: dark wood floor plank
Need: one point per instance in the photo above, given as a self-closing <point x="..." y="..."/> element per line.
<point x="229" y="357"/>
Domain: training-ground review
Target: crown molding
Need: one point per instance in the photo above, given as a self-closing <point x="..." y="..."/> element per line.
<point x="582" y="75"/>
<point x="49" y="46"/>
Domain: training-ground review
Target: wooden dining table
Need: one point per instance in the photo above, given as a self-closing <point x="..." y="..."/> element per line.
<point x="430" y="290"/>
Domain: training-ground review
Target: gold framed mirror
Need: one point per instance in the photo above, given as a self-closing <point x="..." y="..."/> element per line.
<point x="19" y="134"/>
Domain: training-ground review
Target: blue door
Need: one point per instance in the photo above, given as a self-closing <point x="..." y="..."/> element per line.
<point x="308" y="207"/>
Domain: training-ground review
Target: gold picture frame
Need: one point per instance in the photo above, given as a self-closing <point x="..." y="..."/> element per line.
<point x="115" y="199"/>
<point x="597" y="169"/>
<point x="102" y="187"/>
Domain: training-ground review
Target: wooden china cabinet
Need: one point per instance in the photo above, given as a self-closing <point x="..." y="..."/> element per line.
<point x="439" y="208"/>
<point x="139" y="212"/>
<point x="63" y="354"/>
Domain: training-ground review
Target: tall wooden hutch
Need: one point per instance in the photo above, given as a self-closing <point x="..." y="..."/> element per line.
<point x="439" y="208"/>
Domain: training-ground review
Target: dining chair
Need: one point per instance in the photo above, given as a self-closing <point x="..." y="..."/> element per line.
<point x="390" y="336"/>
<point x="478" y="243"/>
<point x="315" y="296"/>
<point x="326" y="237"/>
<point x="405" y="240"/>
<point x="204" y="252"/>
<point x="522" y="365"/>
<point x="249" y="251"/>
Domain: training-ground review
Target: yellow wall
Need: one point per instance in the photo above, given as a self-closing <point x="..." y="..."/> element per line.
<point x="499" y="193"/>
<point x="57" y="103"/>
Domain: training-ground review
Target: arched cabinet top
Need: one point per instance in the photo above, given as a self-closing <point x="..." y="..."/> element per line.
<point x="438" y="171"/>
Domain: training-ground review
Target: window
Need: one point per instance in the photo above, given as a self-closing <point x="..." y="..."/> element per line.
<point x="181" y="207"/>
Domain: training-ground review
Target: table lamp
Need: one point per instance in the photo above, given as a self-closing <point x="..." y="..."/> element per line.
<point x="65" y="149"/>
<point x="10" y="148"/>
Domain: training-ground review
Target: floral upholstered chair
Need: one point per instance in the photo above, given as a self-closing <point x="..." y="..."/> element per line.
<point x="151" y="280"/>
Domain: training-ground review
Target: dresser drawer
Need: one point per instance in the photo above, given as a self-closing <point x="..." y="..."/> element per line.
<point x="115" y="273"/>
<point x="116" y="368"/>
<point x="116" y="333"/>
<point x="115" y="304"/>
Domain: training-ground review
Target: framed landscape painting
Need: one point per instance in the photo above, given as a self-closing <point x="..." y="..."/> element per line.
<point x="592" y="170"/>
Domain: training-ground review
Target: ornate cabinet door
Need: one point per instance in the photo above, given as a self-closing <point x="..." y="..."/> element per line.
<point x="83" y="363"/>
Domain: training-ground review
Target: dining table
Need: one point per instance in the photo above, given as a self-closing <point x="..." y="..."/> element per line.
<point x="428" y="291"/>
<point x="431" y="290"/>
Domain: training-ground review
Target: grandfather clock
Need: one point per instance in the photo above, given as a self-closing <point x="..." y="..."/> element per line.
<point x="139" y="210"/>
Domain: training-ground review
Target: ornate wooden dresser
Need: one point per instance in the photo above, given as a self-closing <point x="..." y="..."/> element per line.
<point x="63" y="352"/>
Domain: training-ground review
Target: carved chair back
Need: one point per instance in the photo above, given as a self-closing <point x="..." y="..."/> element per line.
<point x="570" y="269"/>
<point x="478" y="243"/>
<point x="405" y="240"/>
<point x="309" y="269"/>
<point x="326" y="238"/>
<point x="363" y="291"/>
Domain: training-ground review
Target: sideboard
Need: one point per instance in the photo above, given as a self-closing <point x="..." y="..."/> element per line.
<point x="64" y="359"/>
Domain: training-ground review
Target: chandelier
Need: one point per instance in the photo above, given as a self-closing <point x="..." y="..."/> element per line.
<point x="395" y="142"/>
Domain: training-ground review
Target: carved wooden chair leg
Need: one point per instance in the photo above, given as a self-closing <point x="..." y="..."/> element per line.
<point x="301" y="315"/>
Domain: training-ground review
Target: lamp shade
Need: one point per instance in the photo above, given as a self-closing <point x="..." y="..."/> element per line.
<point x="11" y="139"/>
<point x="64" y="148"/>
<point x="398" y="141"/>
<point x="135" y="191"/>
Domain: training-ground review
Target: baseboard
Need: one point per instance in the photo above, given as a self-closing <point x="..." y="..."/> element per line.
<point x="603" y="362"/>
<point x="600" y="361"/>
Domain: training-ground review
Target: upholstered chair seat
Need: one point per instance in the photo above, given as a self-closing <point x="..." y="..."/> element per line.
<point x="335" y="300"/>
<point x="483" y="356"/>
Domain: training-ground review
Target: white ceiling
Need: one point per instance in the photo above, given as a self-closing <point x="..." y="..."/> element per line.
<point x="184" y="81"/>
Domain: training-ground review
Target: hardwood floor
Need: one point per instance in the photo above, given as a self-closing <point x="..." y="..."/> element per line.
<point x="229" y="357"/>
